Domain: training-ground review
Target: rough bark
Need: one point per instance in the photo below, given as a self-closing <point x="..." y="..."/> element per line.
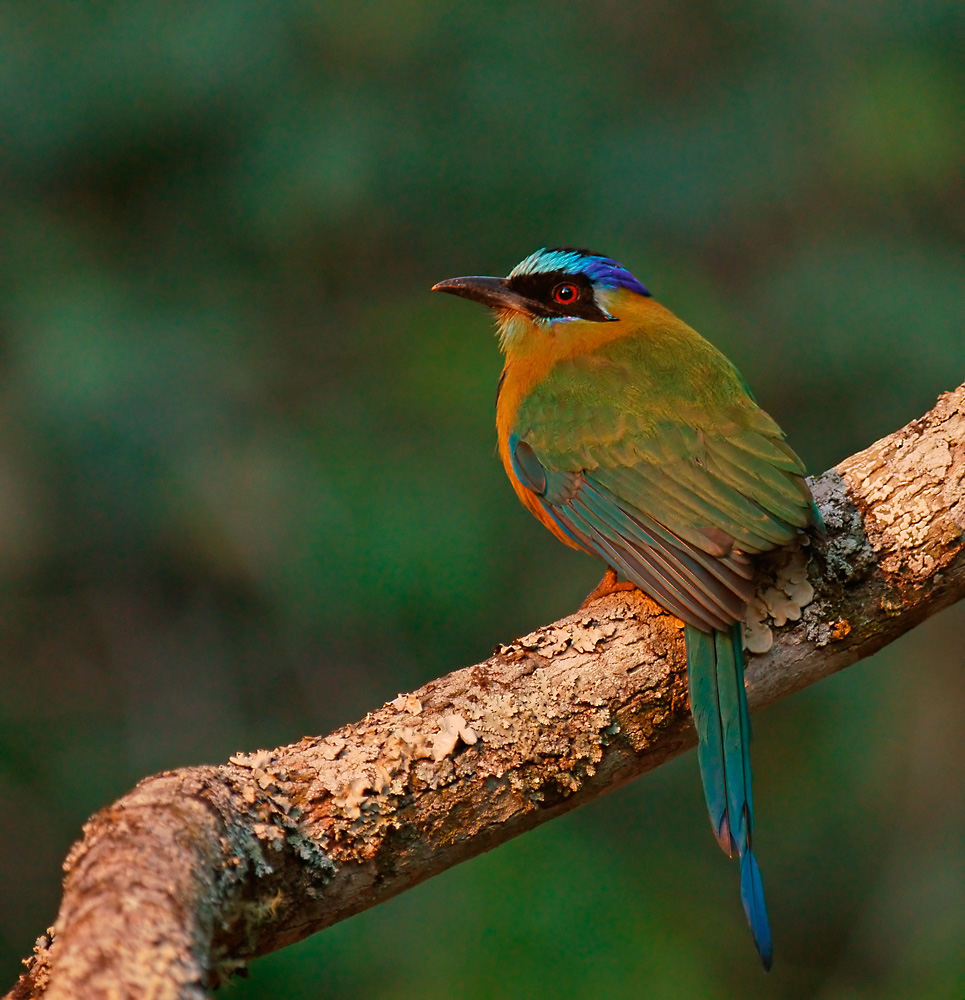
<point x="196" y="871"/>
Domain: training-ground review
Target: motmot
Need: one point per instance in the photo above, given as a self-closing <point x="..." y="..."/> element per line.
<point x="632" y="438"/>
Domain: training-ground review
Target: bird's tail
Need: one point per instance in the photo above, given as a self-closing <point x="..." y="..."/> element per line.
<point x="715" y="669"/>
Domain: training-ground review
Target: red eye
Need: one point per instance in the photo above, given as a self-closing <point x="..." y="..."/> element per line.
<point x="566" y="293"/>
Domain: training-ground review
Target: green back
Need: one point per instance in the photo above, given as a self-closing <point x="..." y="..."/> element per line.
<point x="666" y="423"/>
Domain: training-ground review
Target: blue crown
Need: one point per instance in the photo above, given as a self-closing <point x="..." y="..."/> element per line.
<point x="604" y="271"/>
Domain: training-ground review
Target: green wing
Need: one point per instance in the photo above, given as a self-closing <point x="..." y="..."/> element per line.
<point x="655" y="457"/>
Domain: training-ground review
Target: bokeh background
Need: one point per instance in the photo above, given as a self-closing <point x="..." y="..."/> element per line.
<point x="247" y="481"/>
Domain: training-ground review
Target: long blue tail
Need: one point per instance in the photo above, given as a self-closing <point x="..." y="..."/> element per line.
<point x="715" y="669"/>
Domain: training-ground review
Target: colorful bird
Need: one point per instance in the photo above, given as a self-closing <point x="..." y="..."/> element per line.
<point x="632" y="438"/>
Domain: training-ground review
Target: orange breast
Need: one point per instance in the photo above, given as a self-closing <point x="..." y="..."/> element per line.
<point x="531" y="351"/>
<point x="529" y="499"/>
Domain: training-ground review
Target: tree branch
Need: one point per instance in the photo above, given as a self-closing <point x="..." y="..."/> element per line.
<point x="196" y="871"/>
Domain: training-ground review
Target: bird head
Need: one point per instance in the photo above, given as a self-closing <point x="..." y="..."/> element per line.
<point x="551" y="288"/>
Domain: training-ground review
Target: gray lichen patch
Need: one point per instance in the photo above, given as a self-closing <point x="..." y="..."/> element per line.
<point x="352" y="796"/>
<point x="258" y="760"/>
<point x="582" y="636"/>
<point x="452" y="729"/>
<point x="408" y="704"/>
<point x="782" y="601"/>
<point x="847" y="554"/>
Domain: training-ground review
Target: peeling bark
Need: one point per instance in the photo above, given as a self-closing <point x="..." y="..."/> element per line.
<point x="178" y="884"/>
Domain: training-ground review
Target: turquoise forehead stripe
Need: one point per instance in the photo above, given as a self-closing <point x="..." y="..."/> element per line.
<point x="600" y="270"/>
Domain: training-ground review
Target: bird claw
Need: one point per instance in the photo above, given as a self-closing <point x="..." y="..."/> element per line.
<point x="608" y="585"/>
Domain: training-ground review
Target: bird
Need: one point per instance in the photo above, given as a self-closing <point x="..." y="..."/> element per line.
<point x="632" y="438"/>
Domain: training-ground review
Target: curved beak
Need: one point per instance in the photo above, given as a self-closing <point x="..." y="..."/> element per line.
<point x="492" y="292"/>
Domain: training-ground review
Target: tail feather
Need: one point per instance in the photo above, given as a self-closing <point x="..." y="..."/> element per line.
<point x="735" y="726"/>
<point x="704" y="704"/>
<point x="752" y="896"/>
<point x="715" y="667"/>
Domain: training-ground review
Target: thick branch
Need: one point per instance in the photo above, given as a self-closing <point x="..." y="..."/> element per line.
<point x="196" y="871"/>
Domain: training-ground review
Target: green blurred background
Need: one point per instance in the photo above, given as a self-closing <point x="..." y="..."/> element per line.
<point x="247" y="483"/>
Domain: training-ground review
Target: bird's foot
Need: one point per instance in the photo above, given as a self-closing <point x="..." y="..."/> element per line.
<point x="608" y="585"/>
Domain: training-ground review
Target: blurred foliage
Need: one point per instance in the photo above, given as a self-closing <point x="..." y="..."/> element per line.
<point x="246" y="479"/>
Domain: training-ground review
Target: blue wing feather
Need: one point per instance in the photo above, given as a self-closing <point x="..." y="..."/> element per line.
<point x="702" y="589"/>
